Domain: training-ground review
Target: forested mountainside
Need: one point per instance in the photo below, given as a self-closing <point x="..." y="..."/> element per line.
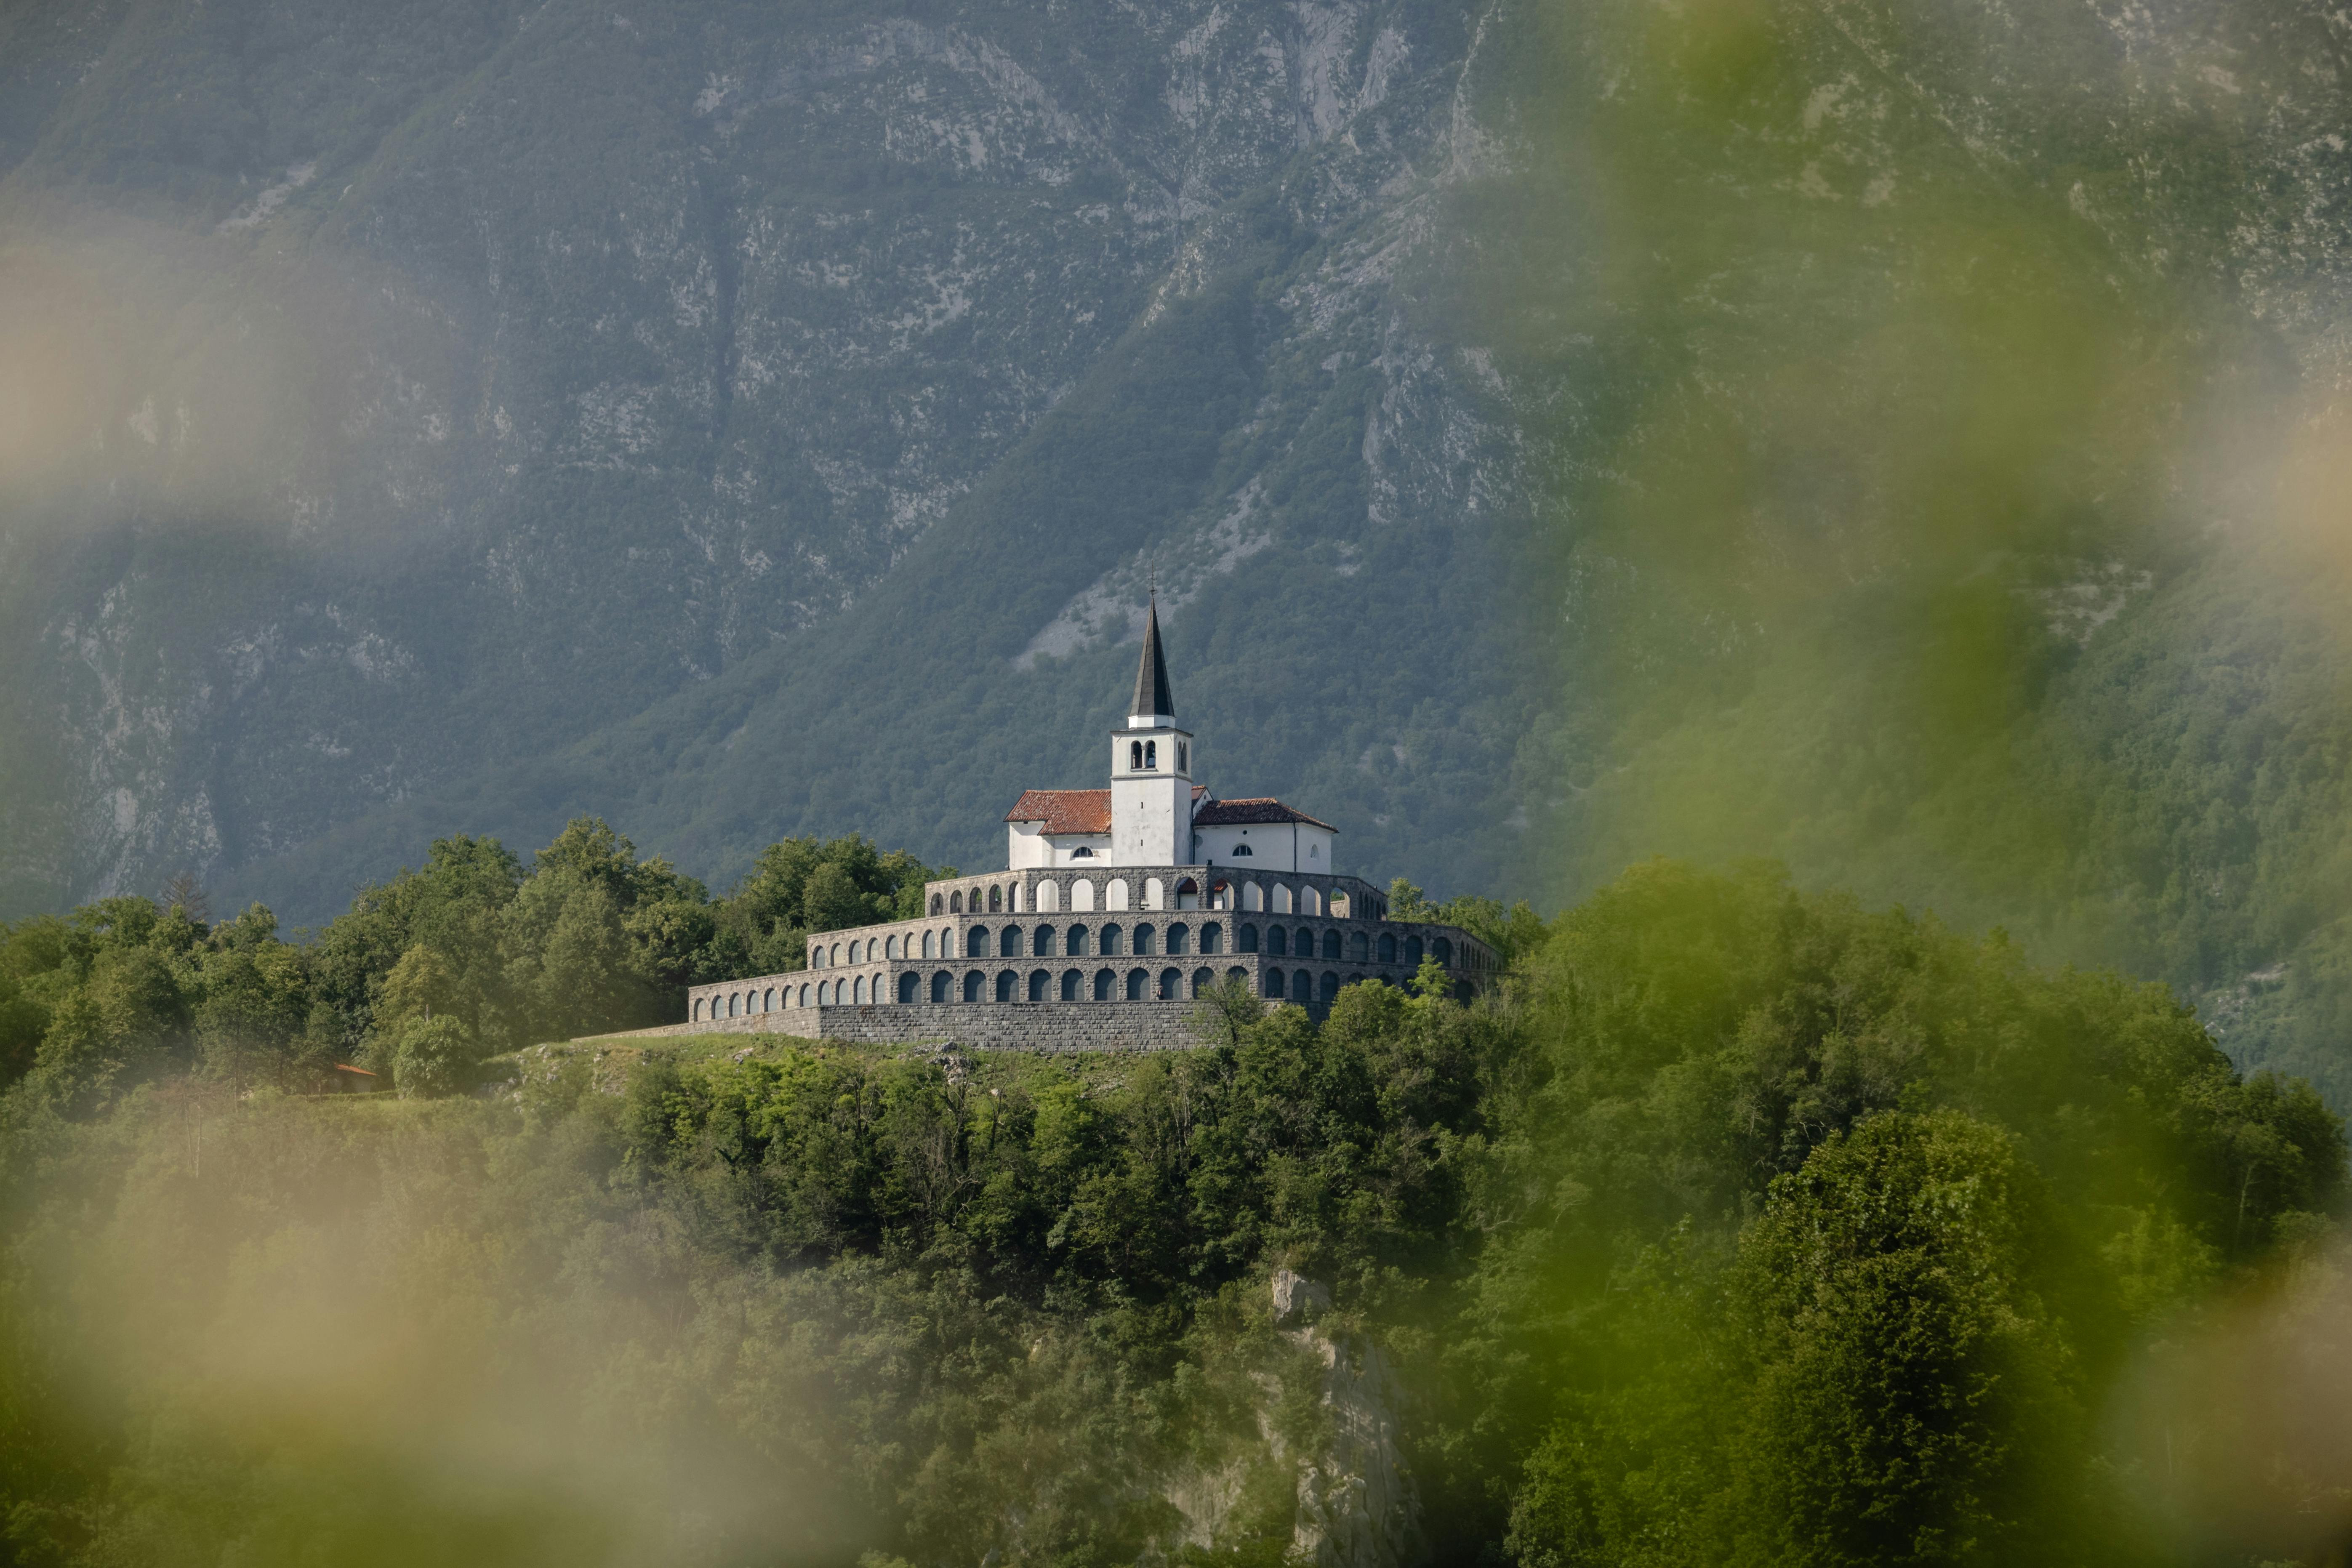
<point x="750" y="421"/>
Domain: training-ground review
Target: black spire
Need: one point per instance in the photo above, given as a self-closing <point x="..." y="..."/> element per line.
<point x="1152" y="694"/>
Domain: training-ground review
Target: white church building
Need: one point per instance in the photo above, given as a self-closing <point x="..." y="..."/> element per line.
<point x="1117" y="907"/>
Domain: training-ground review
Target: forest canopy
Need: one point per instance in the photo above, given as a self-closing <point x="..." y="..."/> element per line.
<point x="1741" y="1223"/>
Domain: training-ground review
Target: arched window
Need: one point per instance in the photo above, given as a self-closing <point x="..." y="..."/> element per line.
<point x="955" y="902"/>
<point x="1444" y="951"/>
<point x="1114" y="893"/>
<point x="1188" y="894"/>
<point x="1248" y="939"/>
<point x="975" y="942"/>
<point x="1138" y="980"/>
<point x="768" y="999"/>
<point x="1242" y="851"/>
<point x="1413" y="951"/>
<point x="1330" y="946"/>
<point x="1277" y="941"/>
<point x="1330" y="986"/>
<point x="1041" y="942"/>
<point x="1109" y="942"/>
<point x="1038" y="981"/>
<point x="1282" y="897"/>
<point x="1151" y="896"/>
<point x="890" y="947"/>
<point x="1183" y="757"/>
<point x="1082" y="852"/>
<point x="860" y="990"/>
<point x="1310" y="901"/>
<point x="1360" y="947"/>
<point x="1272" y="987"/>
<point x="1049" y="898"/>
<point x="1238" y="972"/>
<point x="1341" y="907"/>
<point x="1221" y="895"/>
<point x="1074" y="941"/>
<point x="940" y="986"/>
<point x="1212" y="938"/>
<point x="1253" y="896"/>
<point x="804" y="995"/>
<point x="832" y="959"/>
<point x="1008" y="942"/>
<point x="927" y="947"/>
<point x="935" y="904"/>
<point x="697" y="1010"/>
<point x="908" y="984"/>
<point x="1134" y="756"/>
<point x="995" y="900"/>
<point x="824" y="992"/>
<point x="1104" y="983"/>
<point x="1005" y="981"/>
<point x="1180" y="938"/>
<point x="1070" y="980"/>
<point x="1144" y="938"/>
<point x="857" y="953"/>
<point x="972" y="982"/>
<point x="1151" y="756"/>
<point x="1171" y="985"/>
<point x="1082" y="895"/>
<point x="1201" y="980"/>
<point x="1388" y="947"/>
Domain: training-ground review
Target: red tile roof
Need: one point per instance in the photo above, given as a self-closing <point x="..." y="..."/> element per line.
<point x="1064" y="810"/>
<point x="1264" y="808"/>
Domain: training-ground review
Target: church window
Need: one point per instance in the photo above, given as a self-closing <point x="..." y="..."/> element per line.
<point x="1038" y="981"/>
<point x="1075" y="944"/>
<point x="907" y="987"/>
<point x="1137" y="979"/>
<point x="955" y="902"/>
<point x="1242" y="848"/>
<point x="1413" y="951"/>
<point x="1212" y="938"/>
<point x="1109" y="941"/>
<point x="1005" y="981"/>
<point x="1008" y="942"/>
<point x="1445" y="949"/>
<point x="1180" y="938"/>
<point x="1274" y="983"/>
<point x="1330" y="986"/>
<point x="1248" y="943"/>
<point x="1082" y="852"/>
<point x="1330" y="946"/>
<point x="1277" y="941"/>
<point x="1070" y="981"/>
<point x="1172" y="985"/>
<point x="936" y="907"/>
<point x="1388" y="947"/>
<point x="939" y="983"/>
<point x="1151" y="756"/>
<point x="1144" y="938"/>
<point x="1041" y="942"/>
<point x="975" y="942"/>
<point x="1359" y="948"/>
<point x="1104" y="981"/>
<point x="1183" y="757"/>
<point x="971" y="985"/>
<point x="995" y="900"/>
<point x="1314" y="851"/>
<point x="1134" y="756"/>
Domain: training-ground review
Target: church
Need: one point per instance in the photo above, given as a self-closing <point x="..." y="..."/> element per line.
<point x="1117" y="908"/>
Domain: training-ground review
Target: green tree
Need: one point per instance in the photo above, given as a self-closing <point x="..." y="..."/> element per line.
<point x="433" y="1057"/>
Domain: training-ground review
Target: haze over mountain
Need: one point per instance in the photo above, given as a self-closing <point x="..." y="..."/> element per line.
<point x="1910" y="461"/>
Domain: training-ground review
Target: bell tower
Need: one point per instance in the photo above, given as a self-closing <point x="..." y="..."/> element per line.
<point x="1151" y="769"/>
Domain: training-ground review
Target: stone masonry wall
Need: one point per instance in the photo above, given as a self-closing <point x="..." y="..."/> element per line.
<point x="1048" y="1026"/>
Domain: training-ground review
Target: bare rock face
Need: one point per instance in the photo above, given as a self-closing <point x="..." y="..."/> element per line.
<point x="1298" y="1300"/>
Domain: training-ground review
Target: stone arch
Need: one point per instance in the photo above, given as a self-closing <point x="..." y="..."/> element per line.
<point x="1413" y="951"/>
<point x="1331" y="946"/>
<point x="1151" y="756"/>
<point x="1444" y="952"/>
<point x="1247" y="938"/>
<point x="1038" y="981"/>
<point x="1213" y="937"/>
<point x="824" y="992"/>
<point x="1201" y="980"/>
<point x="1110" y="948"/>
<point x="1330" y="986"/>
<point x="1114" y="893"/>
<point x="942" y="983"/>
<point x="1171" y="985"/>
<point x="1005" y="983"/>
<point x="1049" y="898"/>
<point x="1343" y="907"/>
<point x="1221" y="895"/>
<point x="1360" y="947"/>
<point x="1008" y="942"/>
<point x="1310" y="901"/>
<point x="1138" y="980"/>
<point x="1273" y="985"/>
<point x="1238" y="972"/>
<point x="1282" y="902"/>
<point x="1187" y="889"/>
<point x="1154" y="897"/>
<point x="972" y="982"/>
<point x="890" y="947"/>
<point x="832" y="959"/>
<point x="856" y="953"/>
<point x="1071" y="980"/>
<point x="927" y="947"/>
<point x="955" y="902"/>
<point x="1074" y="941"/>
<point x="768" y="999"/>
<point x="1105" y="984"/>
<point x="996" y="900"/>
<point x="1041" y="942"/>
<point x="804" y="995"/>
<point x="1082" y="895"/>
<point x="1147" y="938"/>
<point x="1180" y="938"/>
<point x="1134" y="756"/>
<point x="858" y="990"/>
<point x="696" y="1017"/>
<point x="1277" y="941"/>
<point x="975" y="942"/>
<point x="909" y="984"/>
<point x="1253" y="896"/>
<point x="937" y="906"/>
<point x="1388" y="947"/>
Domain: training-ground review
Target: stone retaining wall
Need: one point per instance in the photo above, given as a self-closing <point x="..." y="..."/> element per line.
<point x="1048" y="1026"/>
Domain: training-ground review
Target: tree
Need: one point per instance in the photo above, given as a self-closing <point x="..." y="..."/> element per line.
<point x="433" y="1058"/>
